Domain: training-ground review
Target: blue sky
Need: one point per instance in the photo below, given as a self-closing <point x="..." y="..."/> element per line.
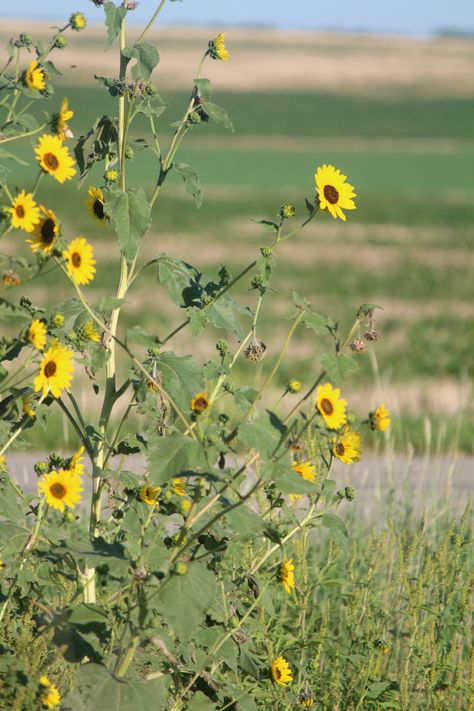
<point x="405" y="16"/>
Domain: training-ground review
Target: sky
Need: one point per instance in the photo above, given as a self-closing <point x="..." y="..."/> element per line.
<point x="399" y="16"/>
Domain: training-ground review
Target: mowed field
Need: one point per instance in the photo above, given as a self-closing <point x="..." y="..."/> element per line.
<point x="393" y="114"/>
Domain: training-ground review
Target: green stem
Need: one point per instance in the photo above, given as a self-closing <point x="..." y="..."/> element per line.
<point x="153" y="18"/>
<point x="23" y="135"/>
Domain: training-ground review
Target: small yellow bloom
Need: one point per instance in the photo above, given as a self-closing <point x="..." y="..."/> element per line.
<point x="61" y="488"/>
<point x="76" y="464"/>
<point x="111" y="175"/>
<point x="80" y="261"/>
<point x="37" y="334"/>
<point x="217" y="48"/>
<point x="45" y="232"/>
<point x="149" y="494"/>
<point x="293" y="386"/>
<point x="90" y="332"/>
<point x="77" y="21"/>
<point x="34" y="76"/>
<point x="58" y="320"/>
<point x="305" y="699"/>
<point x="54" y="158"/>
<point x="306" y="470"/>
<point x="27" y="409"/>
<point x="56" y="371"/>
<point x="347" y="446"/>
<point x="49" y="695"/>
<point x="287" y="577"/>
<point x="331" y="407"/>
<point x="335" y="195"/>
<point x="379" y="419"/>
<point x="179" y="486"/>
<point x="24" y="212"/>
<point x="60" y="120"/>
<point x="3" y="463"/>
<point x="199" y="403"/>
<point x="281" y="671"/>
<point x="95" y="204"/>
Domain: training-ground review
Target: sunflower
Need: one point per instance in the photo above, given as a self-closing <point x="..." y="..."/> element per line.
<point x="54" y="158"/>
<point x="347" y="447"/>
<point x="50" y="696"/>
<point x="24" y="212"/>
<point x="379" y="419"/>
<point x="60" y="120"/>
<point x="305" y="699"/>
<point x="179" y="486"/>
<point x="34" y="76"/>
<point x="80" y="261"/>
<point x="331" y="407"/>
<point x="287" y="577"/>
<point x="95" y="204"/>
<point x="306" y="470"/>
<point x="149" y="494"/>
<point x="37" y="333"/>
<point x="56" y="371"/>
<point x="90" y="332"/>
<point x="3" y="462"/>
<point x="45" y="232"/>
<point x="76" y="465"/>
<point x="217" y="48"/>
<point x="27" y="409"/>
<point x="281" y="671"/>
<point x="61" y="488"/>
<point x="335" y="195"/>
<point x="199" y="403"/>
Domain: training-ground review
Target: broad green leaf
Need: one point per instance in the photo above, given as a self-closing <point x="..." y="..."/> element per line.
<point x="113" y="20"/>
<point x="337" y="530"/>
<point x="181" y="377"/>
<point x="10" y="508"/>
<point x="139" y="334"/>
<point x="219" y="115"/>
<point x="244" y="522"/>
<point x="201" y="702"/>
<point x="172" y="455"/>
<point x="191" y="181"/>
<point x="10" y="312"/>
<point x="146" y="58"/>
<point x="321" y="325"/>
<point x="86" y="614"/>
<point x="338" y="367"/>
<point x="263" y="434"/>
<point x="287" y="480"/>
<point x="204" y="88"/>
<point x="182" y="280"/>
<point x="131" y="216"/>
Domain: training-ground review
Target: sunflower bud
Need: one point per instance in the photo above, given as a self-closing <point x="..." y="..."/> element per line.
<point x="58" y="320"/>
<point x="259" y="284"/>
<point x="25" y="40"/>
<point x="222" y="346"/>
<point x="129" y="152"/>
<point x="70" y="517"/>
<point x="111" y="175"/>
<point x="293" y="386"/>
<point x="41" y="468"/>
<point x="60" y="41"/>
<point x="181" y="568"/>
<point x="184" y="506"/>
<point x="77" y="21"/>
<point x="194" y="118"/>
<point x="266" y="252"/>
<point x="287" y="210"/>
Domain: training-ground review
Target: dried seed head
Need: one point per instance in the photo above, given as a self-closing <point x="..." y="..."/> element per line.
<point x="10" y="278"/>
<point x="372" y="335"/>
<point x="357" y="345"/>
<point x="255" y="350"/>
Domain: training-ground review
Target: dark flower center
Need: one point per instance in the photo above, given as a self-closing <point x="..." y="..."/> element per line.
<point x="200" y="403"/>
<point x="340" y="449"/>
<point x="278" y="673"/>
<point x="331" y="194"/>
<point x="76" y="260"/>
<point x="50" y="368"/>
<point x="327" y="406"/>
<point x="58" y="490"/>
<point x="48" y="231"/>
<point x="20" y="211"/>
<point x="98" y="209"/>
<point x="52" y="162"/>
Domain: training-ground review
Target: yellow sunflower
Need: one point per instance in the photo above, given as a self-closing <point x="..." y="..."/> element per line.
<point x="335" y="195"/>
<point x="379" y="419"/>
<point x="54" y="158"/>
<point x="37" y="334"/>
<point x="199" y="403"/>
<point x="27" y="409"/>
<point x="149" y="494"/>
<point x="50" y="696"/>
<point x="95" y="204"/>
<point x="76" y="465"/>
<point x="56" y="371"/>
<point x="90" y="332"/>
<point x="45" y="232"/>
<point x="61" y="488"/>
<point x="347" y="447"/>
<point x="60" y="120"/>
<point x="305" y="699"/>
<point x="179" y="486"/>
<point x="34" y="76"/>
<point x="287" y="577"/>
<point x="217" y="48"/>
<point x="80" y="261"/>
<point x="24" y="212"/>
<point x="281" y="671"/>
<point x="331" y="407"/>
<point x="306" y="470"/>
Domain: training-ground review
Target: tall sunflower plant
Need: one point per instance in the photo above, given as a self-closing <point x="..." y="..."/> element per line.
<point x="162" y="576"/>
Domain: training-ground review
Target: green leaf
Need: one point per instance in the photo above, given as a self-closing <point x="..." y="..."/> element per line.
<point x="146" y="58"/>
<point x="338" y="367"/>
<point x="172" y="455"/>
<point x="204" y="87"/>
<point x="131" y="216"/>
<point x="201" y="702"/>
<point x="244" y="522"/>
<point x="139" y="334"/>
<point x="337" y="530"/>
<point x="321" y="325"/>
<point x="86" y="614"/>
<point x="113" y="20"/>
<point x="287" y="480"/>
<point x="181" y="376"/>
<point x="263" y="434"/>
<point x="10" y="312"/>
<point x="191" y="181"/>
<point x="219" y="115"/>
<point x="12" y="156"/>
<point x="366" y="309"/>
<point x="10" y="508"/>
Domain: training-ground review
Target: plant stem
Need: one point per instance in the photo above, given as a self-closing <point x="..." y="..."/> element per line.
<point x="153" y="18"/>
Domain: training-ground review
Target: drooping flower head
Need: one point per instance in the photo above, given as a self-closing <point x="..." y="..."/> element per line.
<point x="347" y="446"/>
<point x="90" y="332"/>
<point x="305" y="699"/>
<point x="281" y="671"/>
<point x="34" y="76"/>
<point x="379" y="419"/>
<point x="335" y="195"/>
<point x="217" y="48"/>
<point x="95" y="204"/>
<point x="61" y="488"/>
<point x="199" y="403"/>
<point x="56" y="371"/>
<point x="149" y="494"/>
<point x="24" y="212"/>
<point x="27" y="409"/>
<point x="179" y="486"/>
<point x="49" y="694"/>
<point x="287" y="576"/>
<point x="54" y="158"/>
<point x="45" y="232"/>
<point x="80" y="261"/>
<point x="76" y="464"/>
<point x="330" y="406"/>
<point x="60" y="120"/>
<point x="306" y="470"/>
<point x="37" y="333"/>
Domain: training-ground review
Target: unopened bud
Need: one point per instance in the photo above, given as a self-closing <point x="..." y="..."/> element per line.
<point x="287" y="210"/>
<point x="60" y="41"/>
<point x="181" y="568"/>
<point x="77" y="21"/>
